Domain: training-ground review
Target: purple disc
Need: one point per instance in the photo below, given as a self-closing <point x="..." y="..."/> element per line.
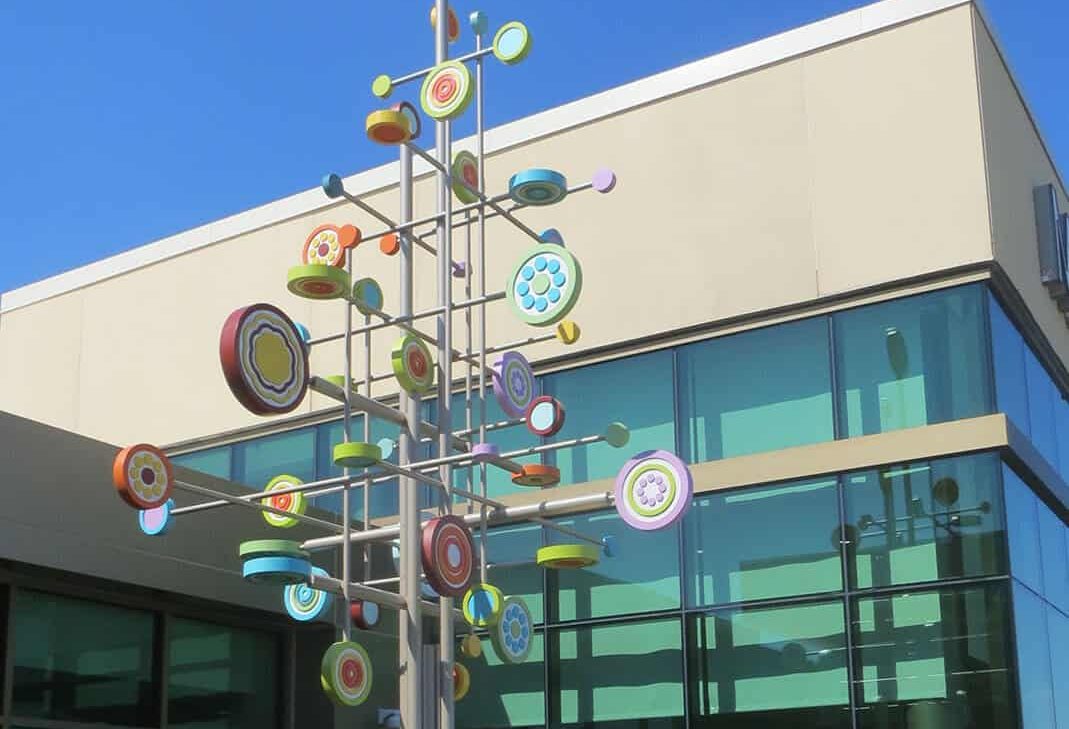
<point x="514" y="384"/>
<point x="482" y="452"/>
<point x="155" y="522"/>
<point x="460" y="269"/>
<point x="653" y="490"/>
<point x="604" y="180"/>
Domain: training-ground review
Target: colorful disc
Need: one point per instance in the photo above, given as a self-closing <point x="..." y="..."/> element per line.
<point x="538" y="187"/>
<point x="537" y="475"/>
<point x="448" y="554"/>
<point x="452" y="30"/>
<point x="544" y="285"/>
<point x="482" y="605"/>
<point x="356" y="454"/>
<point x="545" y="415"/>
<point x="390" y="244"/>
<point x="367" y="296"/>
<point x="551" y="235"/>
<point x="326" y="245"/>
<point x="254" y="548"/>
<point x="264" y="358"/>
<point x="364" y="614"/>
<point x="512" y="635"/>
<point x="653" y="490"/>
<point x="143" y="476"/>
<point x="471" y="646"/>
<point x="567" y="556"/>
<point x="382" y="86"/>
<point x="345" y="673"/>
<point x="292" y="503"/>
<point x="466" y="168"/>
<point x="461" y="681"/>
<point x="412" y="364"/>
<point x="276" y="570"/>
<point x="484" y="452"/>
<point x="512" y="42"/>
<point x="157" y="521"/>
<point x="387" y="126"/>
<point x="568" y="332"/>
<point x="303" y="602"/>
<point x="318" y="281"/>
<point x="446" y="91"/>
<point x="617" y="435"/>
<point x="514" y="384"/>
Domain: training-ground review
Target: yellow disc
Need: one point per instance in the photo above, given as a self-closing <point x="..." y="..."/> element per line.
<point x="567" y="556"/>
<point x="318" y="281"/>
<point x="388" y="127"/>
<point x="357" y="455"/>
<point x="471" y="646"/>
<point x="461" y="681"/>
<point x="568" y="332"/>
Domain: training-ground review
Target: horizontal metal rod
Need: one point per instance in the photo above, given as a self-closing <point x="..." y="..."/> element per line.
<point x="382" y="598"/>
<point x="255" y="496"/>
<point x="499" y="425"/>
<point x="521" y="343"/>
<point x="261" y="507"/>
<point x="385" y="220"/>
<point x="490" y="566"/>
<point x="421" y="73"/>
<point x="549" y="508"/>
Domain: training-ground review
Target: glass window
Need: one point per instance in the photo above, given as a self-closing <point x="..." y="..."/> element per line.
<point x="926" y="521"/>
<point x="769" y="667"/>
<point x="1026" y="562"/>
<point x="1008" y="348"/>
<point x="510" y="554"/>
<point x="1058" y="625"/>
<point x="1033" y="659"/>
<point x="913" y="361"/>
<point x="935" y="659"/>
<point x="260" y="460"/>
<point x="503" y="694"/>
<point x="642" y="576"/>
<point x="620" y="676"/>
<point x="1052" y="542"/>
<point x="213" y="461"/>
<point x="765" y="542"/>
<point x="221" y="677"/>
<point x="1061" y="424"/>
<point x="756" y="391"/>
<point x="1043" y="397"/>
<point x="77" y="660"/>
<point x="637" y="391"/>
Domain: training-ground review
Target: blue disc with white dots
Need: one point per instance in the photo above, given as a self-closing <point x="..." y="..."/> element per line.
<point x="544" y="285"/>
<point x="303" y="602"/>
<point x="511" y="637"/>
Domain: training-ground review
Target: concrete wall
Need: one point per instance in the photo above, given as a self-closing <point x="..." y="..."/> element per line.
<point x="1017" y="162"/>
<point x="844" y="168"/>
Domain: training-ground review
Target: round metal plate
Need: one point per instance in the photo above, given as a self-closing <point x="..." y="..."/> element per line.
<point x="364" y="613"/>
<point x="264" y="358"/>
<point x="157" y="521"/>
<point x="537" y="475"/>
<point x="567" y="556"/>
<point x="461" y="681"/>
<point x="412" y="364"/>
<point x="318" y="282"/>
<point x="514" y="384"/>
<point x="303" y="602"/>
<point x="544" y="285"/>
<point x="271" y="548"/>
<point x="345" y="673"/>
<point x="446" y="91"/>
<point x="143" y="476"/>
<point x="448" y="554"/>
<point x="653" y="490"/>
<point x="538" y="186"/>
<point x="466" y="168"/>
<point x="545" y="416"/>
<point x="276" y="570"/>
<point x="482" y="605"/>
<point x="293" y="503"/>
<point x="512" y="42"/>
<point x="512" y="635"/>
<point x="387" y="126"/>
<point x="367" y="296"/>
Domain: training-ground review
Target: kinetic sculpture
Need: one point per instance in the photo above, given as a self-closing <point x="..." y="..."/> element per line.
<point x="264" y="358"/>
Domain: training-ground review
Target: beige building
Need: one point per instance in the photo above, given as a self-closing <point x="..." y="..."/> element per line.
<point x="818" y="279"/>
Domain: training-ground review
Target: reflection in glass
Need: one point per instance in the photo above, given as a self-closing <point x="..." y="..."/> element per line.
<point x="620" y="676"/>
<point x="1033" y="659"/>
<point x="926" y="521"/>
<point x="1022" y="513"/>
<point x="502" y="694"/>
<point x="769" y="667"/>
<point x="935" y="660"/>
<point x="1007" y="349"/>
<point x="912" y="362"/>
<point x="212" y="461"/>
<point x="510" y="550"/>
<point x="764" y="542"/>
<point x="77" y="660"/>
<point x="260" y="460"/>
<point x="756" y="391"/>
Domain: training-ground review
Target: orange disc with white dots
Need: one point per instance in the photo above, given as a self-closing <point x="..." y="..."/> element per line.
<point x="326" y="245"/>
<point x="143" y="476"/>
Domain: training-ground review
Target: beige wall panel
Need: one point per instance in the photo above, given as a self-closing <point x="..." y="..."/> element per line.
<point x="40" y="360"/>
<point x="1016" y="163"/>
<point x="896" y="154"/>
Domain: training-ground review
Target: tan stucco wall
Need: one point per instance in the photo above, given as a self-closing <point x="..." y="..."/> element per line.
<point x="851" y="166"/>
<point x="1016" y="163"/>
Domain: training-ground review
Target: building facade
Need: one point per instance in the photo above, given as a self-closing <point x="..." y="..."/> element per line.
<point x="824" y="279"/>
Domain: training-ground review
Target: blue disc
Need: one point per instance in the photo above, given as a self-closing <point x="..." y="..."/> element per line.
<point x="155" y="522"/>
<point x="538" y="187"/>
<point x="523" y="288"/>
<point x="276" y="570"/>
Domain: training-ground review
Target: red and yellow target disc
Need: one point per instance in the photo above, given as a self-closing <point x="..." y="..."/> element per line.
<point x="447" y="90"/>
<point x="292" y="503"/>
<point x="345" y="673"/>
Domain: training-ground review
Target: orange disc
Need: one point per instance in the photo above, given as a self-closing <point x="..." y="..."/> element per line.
<point x="349" y="236"/>
<point x="535" y="474"/>
<point x="143" y="476"/>
<point x="390" y="244"/>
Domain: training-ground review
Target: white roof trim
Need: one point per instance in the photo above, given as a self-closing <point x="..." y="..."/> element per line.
<point x="792" y="43"/>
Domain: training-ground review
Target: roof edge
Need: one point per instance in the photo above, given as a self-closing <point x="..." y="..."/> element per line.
<point x="697" y="74"/>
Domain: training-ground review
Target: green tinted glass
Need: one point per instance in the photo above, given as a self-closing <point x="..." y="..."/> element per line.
<point x="759" y="543"/>
<point x="627" y="675"/>
<point x="503" y="694"/>
<point x="213" y="461"/>
<point x="81" y="661"/>
<point x="260" y="460"/>
<point x="769" y="667"/>
<point x="926" y="521"/>
<point x="913" y="361"/>
<point x="221" y="677"/>
<point x="725" y="410"/>
<point x="510" y="554"/>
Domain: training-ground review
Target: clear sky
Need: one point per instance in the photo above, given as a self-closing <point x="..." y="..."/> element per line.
<point x="122" y="122"/>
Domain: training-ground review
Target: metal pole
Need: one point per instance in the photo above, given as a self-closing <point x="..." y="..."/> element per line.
<point x="410" y="649"/>
<point x="342" y="614"/>
<point x="481" y="214"/>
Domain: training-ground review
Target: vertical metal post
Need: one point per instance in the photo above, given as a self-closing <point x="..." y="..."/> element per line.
<point x="444" y="687"/>
<point x="347" y="419"/>
<point x="481" y="263"/>
<point x="411" y="626"/>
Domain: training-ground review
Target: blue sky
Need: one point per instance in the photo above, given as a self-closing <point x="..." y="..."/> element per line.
<point x="123" y="122"/>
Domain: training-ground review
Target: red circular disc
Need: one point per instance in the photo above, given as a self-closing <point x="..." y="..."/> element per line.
<point x="143" y="476"/>
<point x="448" y="554"/>
<point x="264" y="359"/>
<point x="444" y="88"/>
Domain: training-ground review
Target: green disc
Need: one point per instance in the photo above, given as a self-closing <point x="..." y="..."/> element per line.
<point x="357" y="455"/>
<point x="412" y="364"/>
<point x="272" y="548"/>
<point x="617" y="435"/>
<point x="512" y="42"/>
<point x="318" y="281"/>
<point x="382" y="86"/>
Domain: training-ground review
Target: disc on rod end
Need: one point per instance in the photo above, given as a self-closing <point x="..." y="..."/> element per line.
<point x="604" y="180"/>
<point x="484" y="452"/>
<point x="568" y="332"/>
<point x="617" y="435"/>
<point x="357" y="454"/>
<point x="478" y="22"/>
<point x="332" y="185"/>
<point x="460" y="269"/>
<point x="610" y="546"/>
<point x="382" y="86"/>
